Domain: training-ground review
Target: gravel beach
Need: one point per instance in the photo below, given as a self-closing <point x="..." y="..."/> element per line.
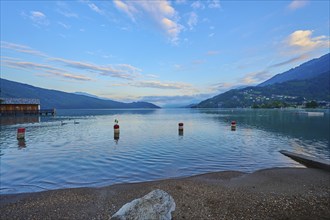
<point x="278" y="193"/>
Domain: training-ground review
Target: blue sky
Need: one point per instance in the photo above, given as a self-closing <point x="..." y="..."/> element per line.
<point x="164" y="52"/>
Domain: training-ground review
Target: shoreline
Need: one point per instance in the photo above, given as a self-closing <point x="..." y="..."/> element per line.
<point x="276" y="193"/>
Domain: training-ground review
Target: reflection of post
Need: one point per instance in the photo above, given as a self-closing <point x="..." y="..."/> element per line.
<point x="116" y="132"/>
<point x="233" y="125"/>
<point x="21" y="143"/>
<point x="180" y="129"/>
<point x="116" y="137"/>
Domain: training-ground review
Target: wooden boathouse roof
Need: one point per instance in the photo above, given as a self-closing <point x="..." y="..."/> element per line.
<point x="19" y="101"/>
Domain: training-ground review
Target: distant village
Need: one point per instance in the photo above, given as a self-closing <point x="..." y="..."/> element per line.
<point x="282" y="101"/>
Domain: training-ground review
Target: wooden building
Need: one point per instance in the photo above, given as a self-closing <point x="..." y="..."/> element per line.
<point x="17" y="106"/>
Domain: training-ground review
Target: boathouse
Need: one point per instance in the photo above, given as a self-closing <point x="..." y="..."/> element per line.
<point x="19" y="106"/>
<point x="23" y="106"/>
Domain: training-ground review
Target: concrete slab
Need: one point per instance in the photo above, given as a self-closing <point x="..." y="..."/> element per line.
<point x="308" y="161"/>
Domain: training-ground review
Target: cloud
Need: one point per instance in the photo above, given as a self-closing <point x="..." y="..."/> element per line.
<point x="64" y="25"/>
<point x="95" y="8"/>
<point x="153" y="76"/>
<point x="161" y="85"/>
<point x="260" y="76"/>
<point x="178" y="67"/>
<point x="129" y="67"/>
<point x="222" y="86"/>
<point x="129" y="9"/>
<point x="166" y="99"/>
<point x="64" y="10"/>
<point x="185" y="88"/>
<point x="292" y="60"/>
<point x="193" y="20"/>
<point x="214" y="4"/>
<point x="302" y="39"/>
<point x="21" y="48"/>
<point x="294" y="5"/>
<point x="254" y="77"/>
<point x="198" y="62"/>
<point x="175" y="101"/>
<point x="160" y="12"/>
<point x="28" y="66"/>
<point x="212" y="52"/>
<point x="179" y="2"/>
<point x="123" y="71"/>
<point x="39" y="18"/>
<point x="172" y="29"/>
<point x="197" y="5"/>
<point x="70" y="76"/>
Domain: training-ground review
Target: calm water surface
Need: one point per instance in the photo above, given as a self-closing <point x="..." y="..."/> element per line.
<point x="71" y="155"/>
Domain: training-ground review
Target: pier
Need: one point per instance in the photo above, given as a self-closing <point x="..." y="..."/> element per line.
<point x="45" y="112"/>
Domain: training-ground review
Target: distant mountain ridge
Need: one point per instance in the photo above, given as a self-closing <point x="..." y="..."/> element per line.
<point x="306" y="70"/>
<point x="90" y="95"/>
<point x="309" y="81"/>
<point x="62" y="100"/>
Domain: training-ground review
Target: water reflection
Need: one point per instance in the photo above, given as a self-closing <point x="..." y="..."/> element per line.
<point x="78" y="155"/>
<point x="116" y="137"/>
<point x="12" y="120"/>
<point x="91" y="112"/>
<point x="21" y="143"/>
<point x="287" y="122"/>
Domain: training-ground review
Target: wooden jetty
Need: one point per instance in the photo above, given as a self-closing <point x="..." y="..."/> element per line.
<point x="50" y="112"/>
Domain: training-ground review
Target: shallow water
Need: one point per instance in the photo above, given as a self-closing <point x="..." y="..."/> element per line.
<point x="56" y="155"/>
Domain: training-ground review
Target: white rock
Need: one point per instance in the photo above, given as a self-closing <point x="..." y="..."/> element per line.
<point x="156" y="205"/>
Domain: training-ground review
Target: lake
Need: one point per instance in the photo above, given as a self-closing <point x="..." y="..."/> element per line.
<point x="77" y="148"/>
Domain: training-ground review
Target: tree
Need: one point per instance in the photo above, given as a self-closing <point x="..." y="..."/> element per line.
<point x="312" y="104"/>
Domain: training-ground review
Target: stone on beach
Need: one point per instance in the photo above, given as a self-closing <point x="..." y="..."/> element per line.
<point x="156" y="205"/>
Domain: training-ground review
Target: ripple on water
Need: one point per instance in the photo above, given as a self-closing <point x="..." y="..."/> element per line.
<point x="150" y="147"/>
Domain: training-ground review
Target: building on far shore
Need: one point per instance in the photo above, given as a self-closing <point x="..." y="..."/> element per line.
<point x="13" y="106"/>
<point x="22" y="106"/>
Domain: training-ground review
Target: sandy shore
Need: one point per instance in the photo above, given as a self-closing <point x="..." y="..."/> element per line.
<point x="279" y="193"/>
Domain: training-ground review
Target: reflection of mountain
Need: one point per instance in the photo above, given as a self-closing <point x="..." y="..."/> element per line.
<point x="285" y="122"/>
<point x="84" y="112"/>
<point x="62" y="100"/>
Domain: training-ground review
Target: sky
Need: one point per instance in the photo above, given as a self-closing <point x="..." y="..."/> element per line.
<point x="169" y="53"/>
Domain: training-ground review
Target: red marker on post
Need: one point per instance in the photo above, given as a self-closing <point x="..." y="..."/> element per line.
<point x="20" y="133"/>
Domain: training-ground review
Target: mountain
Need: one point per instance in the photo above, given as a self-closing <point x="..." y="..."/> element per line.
<point x="311" y="82"/>
<point x="293" y="92"/>
<point x="306" y="70"/>
<point x="90" y="95"/>
<point x="62" y="100"/>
